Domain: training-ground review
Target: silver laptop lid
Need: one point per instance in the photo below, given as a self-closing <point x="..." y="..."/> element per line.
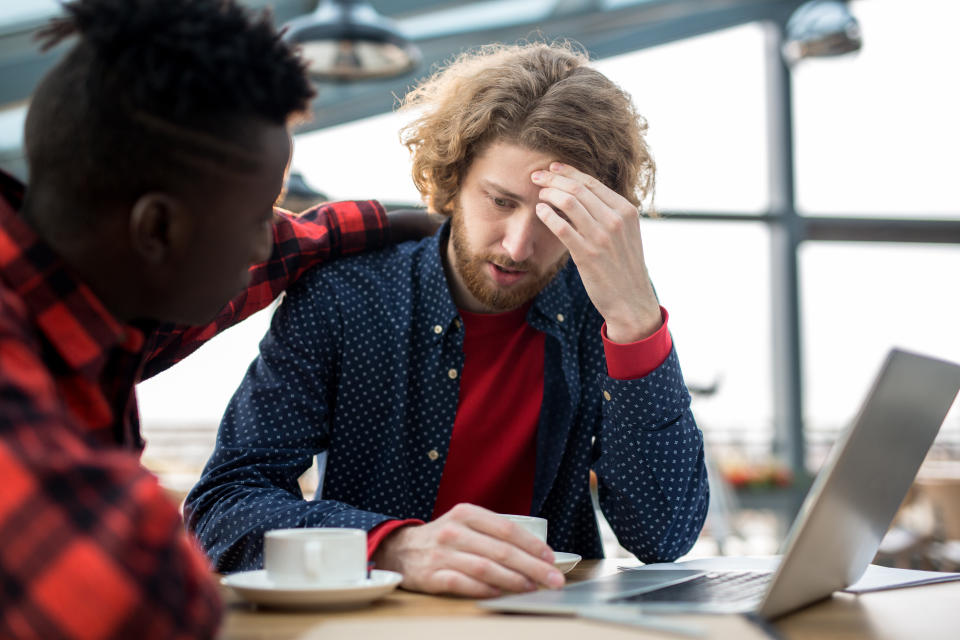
<point x="867" y="475"/>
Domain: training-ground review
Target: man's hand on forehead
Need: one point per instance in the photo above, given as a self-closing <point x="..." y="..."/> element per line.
<point x="601" y="229"/>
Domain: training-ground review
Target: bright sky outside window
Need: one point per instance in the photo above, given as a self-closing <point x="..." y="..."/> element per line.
<point x="876" y="132"/>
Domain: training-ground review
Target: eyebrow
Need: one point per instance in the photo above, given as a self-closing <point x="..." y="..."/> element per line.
<point x="492" y="185"/>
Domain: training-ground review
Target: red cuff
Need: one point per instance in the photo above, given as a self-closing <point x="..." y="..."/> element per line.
<point x="376" y="535"/>
<point x="634" y="360"/>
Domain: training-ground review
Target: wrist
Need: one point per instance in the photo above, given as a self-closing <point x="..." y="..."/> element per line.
<point x="386" y="556"/>
<point x="639" y="327"/>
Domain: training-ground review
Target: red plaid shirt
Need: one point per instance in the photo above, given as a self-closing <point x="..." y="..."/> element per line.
<point x="89" y="545"/>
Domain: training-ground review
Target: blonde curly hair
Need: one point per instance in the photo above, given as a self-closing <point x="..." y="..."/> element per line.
<point x="543" y="97"/>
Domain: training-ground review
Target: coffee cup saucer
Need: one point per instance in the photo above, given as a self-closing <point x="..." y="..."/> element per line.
<point x="256" y="587"/>
<point x="564" y="562"/>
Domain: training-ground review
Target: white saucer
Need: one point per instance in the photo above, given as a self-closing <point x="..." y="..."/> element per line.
<point x="565" y="561"/>
<point x="257" y="588"/>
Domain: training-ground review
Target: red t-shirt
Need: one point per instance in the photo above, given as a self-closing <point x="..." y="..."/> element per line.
<point x="493" y="448"/>
<point x="493" y="453"/>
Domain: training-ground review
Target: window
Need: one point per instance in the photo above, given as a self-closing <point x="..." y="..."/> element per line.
<point x="876" y="132"/>
<point x="859" y="300"/>
<point x="714" y="279"/>
<point x="704" y="99"/>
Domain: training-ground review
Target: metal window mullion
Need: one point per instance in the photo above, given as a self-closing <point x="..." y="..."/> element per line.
<point x="786" y="233"/>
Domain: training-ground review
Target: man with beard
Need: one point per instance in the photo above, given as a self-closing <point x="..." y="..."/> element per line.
<point x="481" y="370"/>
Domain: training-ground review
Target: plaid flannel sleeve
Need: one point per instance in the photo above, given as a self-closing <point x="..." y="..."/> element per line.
<point x="91" y="546"/>
<point x="300" y="242"/>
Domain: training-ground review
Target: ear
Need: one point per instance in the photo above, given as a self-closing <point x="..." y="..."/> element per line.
<point x="160" y="228"/>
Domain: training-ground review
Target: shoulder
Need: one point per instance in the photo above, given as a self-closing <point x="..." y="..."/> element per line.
<point x="368" y="280"/>
<point x="382" y="269"/>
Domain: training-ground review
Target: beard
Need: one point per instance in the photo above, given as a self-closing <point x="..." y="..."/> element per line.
<point x="472" y="269"/>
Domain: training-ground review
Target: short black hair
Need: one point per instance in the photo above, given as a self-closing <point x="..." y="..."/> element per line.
<point x="152" y="86"/>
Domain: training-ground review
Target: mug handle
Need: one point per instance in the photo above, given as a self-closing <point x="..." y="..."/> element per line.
<point x="313" y="556"/>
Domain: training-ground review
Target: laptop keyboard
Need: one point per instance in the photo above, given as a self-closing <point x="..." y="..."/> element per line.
<point x="720" y="587"/>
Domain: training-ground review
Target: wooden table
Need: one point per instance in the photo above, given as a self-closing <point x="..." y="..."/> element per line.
<point x="931" y="611"/>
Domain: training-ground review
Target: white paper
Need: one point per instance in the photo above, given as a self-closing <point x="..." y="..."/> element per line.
<point x="878" y="578"/>
<point x="875" y="578"/>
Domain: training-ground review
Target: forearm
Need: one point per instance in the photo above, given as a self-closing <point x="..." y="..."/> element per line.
<point x="655" y="502"/>
<point x="412" y="224"/>
<point x="230" y="509"/>
<point x="650" y="467"/>
<point x="301" y="242"/>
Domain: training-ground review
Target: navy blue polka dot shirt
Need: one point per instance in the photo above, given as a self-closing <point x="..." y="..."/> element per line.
<point x="353" y="365"/>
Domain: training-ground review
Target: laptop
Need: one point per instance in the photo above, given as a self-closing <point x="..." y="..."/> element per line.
<point x="836" y="533"/>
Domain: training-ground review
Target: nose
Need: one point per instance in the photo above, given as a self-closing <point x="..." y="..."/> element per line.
<point x="520" y="238"/>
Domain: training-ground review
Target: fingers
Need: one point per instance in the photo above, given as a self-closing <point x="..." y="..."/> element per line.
<point x="573" y="198"/>
<point x="469" y="551"/>
<point x="601" y="229"/>
<point x="592" y="208"/>
<point x="497" y="551"/>
<point x="561" y="228"/>
<point x="488" y="572"/>
<point x="499" y="563"/>
<point x="469" y="575"/>
<point x="491" y="524"/>
<point x="455" y="582"/>
<point x="604" y="193"/>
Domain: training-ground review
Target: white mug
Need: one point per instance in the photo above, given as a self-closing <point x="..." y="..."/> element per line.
<point x="321" y="557"/>
<point x="536" y="526"/>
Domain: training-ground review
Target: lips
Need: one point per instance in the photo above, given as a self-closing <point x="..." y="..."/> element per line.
<point x="504" y="277"/>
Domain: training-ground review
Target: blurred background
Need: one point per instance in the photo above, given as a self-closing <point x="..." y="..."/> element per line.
<point x="809" y="215"/>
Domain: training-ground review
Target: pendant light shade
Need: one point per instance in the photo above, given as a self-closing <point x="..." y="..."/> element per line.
<point x="821" y="28"/>
<point x="347" y="40"/>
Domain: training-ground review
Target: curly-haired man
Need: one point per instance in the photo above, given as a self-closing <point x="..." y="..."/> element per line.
<point x="487" y="369"/>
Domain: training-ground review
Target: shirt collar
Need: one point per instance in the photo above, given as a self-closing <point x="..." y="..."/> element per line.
<point x="549" y="309"/>
<point x="67" y="312"/>
<point x="432" y="289"/>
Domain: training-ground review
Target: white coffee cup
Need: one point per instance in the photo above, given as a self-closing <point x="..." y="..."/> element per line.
<point x="536" y="526"/>
<point x="321" y="557"/>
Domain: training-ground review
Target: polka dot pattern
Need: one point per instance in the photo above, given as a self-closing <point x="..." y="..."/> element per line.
<point x="362" y="361"/>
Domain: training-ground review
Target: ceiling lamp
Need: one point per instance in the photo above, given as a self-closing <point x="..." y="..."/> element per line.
<point x="347" y="40"/>
<point x="821" y="28"/>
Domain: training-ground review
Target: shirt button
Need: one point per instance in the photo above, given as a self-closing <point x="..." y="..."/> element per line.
<point x="437" y="329"/>
<point x="457" y="323"/>
<point x="606" y="396"/>
<point x="559" y="317"/>
<point x="452" y="373"/>
<point x="433" y="454"/>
